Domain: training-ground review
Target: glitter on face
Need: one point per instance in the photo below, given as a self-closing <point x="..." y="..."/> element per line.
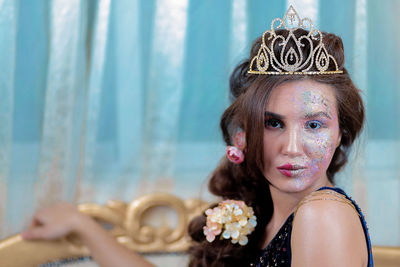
<point x="305" y="135"/>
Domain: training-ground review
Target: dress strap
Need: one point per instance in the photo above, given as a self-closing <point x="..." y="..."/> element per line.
<point x="326" y="195"/>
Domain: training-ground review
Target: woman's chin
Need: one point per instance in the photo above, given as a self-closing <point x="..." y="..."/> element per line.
<point x="292" y="184"/>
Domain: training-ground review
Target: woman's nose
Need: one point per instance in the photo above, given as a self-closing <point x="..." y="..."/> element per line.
<point x="292" y="143"/>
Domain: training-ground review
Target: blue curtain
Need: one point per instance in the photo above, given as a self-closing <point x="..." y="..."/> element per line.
<point x="111" y="99"/>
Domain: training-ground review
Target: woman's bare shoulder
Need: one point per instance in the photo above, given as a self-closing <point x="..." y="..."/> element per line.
<point x="327" y="232"/>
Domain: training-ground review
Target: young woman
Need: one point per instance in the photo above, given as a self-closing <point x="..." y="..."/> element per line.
<point x="294" y="116"/>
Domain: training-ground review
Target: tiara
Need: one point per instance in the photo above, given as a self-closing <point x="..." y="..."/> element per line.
<point x="290" y="58"/>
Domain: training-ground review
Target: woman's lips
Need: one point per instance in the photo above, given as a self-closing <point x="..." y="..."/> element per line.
<point x="290" y="170"/>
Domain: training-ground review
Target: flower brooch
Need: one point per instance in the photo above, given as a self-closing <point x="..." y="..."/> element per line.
<point x="233" y="218"/>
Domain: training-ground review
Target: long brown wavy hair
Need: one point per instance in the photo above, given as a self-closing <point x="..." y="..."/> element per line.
<point x="245" y="181"/>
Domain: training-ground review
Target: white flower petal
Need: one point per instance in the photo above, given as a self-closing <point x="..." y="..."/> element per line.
<point x="210" y="238"/>
<point x="235" y="234"/>
<point x="226" y="234"/>
<point x="243" y="240"/>
<point x="243" y="222"/>
<point x="238" y="212"/>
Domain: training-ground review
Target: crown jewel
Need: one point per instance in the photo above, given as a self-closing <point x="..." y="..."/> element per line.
<point x="292" y="55"/>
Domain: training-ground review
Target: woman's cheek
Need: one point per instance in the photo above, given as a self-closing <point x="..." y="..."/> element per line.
<point x="319" y="148"/>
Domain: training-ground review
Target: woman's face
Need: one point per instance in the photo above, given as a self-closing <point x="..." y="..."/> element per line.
<point x="301" y="134"/>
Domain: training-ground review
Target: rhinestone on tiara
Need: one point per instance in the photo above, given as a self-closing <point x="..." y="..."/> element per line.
<point x="291" y="58"/>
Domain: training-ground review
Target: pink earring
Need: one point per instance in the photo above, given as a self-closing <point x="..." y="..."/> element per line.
<point x="235" y="153"/>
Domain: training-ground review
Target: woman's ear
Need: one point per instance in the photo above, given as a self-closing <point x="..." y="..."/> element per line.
<point x="239" y="140"/>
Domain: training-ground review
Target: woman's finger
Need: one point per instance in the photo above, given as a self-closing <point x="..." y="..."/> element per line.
<point x="34" y="233"/>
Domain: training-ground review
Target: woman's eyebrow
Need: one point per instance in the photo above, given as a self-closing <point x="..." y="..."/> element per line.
<point x="273" y="115"/>
<point x="317" y="114"/>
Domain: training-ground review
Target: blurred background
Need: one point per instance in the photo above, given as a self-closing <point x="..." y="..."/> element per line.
<point x="112" y="99"/>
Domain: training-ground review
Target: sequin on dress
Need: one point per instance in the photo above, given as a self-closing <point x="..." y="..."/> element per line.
<point x="278" y="251"/>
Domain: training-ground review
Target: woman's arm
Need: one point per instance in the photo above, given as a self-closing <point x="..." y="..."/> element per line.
<point x="63" y="219"/>
<point x="328" y="233"/>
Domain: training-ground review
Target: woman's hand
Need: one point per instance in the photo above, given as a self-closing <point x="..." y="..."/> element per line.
<point x="55" y="222"/>
<point x="63" y="219"/>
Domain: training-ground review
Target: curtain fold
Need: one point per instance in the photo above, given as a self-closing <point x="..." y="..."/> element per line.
<point x="163" y="101"/>
<point x="8" y="30"/>
<point x="129" y="76"/>
<point x="65" y="80"/>
<point x="87" y="185"/>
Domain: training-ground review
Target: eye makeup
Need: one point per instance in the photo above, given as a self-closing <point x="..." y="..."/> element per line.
<point x="273" y="123"/>
<point x="317" y="114"/>
<point x="314" y="125"/>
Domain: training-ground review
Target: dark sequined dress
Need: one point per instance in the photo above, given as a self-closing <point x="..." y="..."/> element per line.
<point x="278" y="251"/>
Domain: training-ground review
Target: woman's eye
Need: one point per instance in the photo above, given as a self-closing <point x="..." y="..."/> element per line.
<point x="273" y="123"/>
<point x="313" y="125"/>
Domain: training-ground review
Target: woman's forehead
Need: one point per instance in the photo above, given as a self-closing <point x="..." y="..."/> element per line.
<point x="305" y="96"/>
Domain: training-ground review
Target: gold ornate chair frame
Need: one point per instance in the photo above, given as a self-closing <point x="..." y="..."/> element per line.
<point x="126" y="223"/>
